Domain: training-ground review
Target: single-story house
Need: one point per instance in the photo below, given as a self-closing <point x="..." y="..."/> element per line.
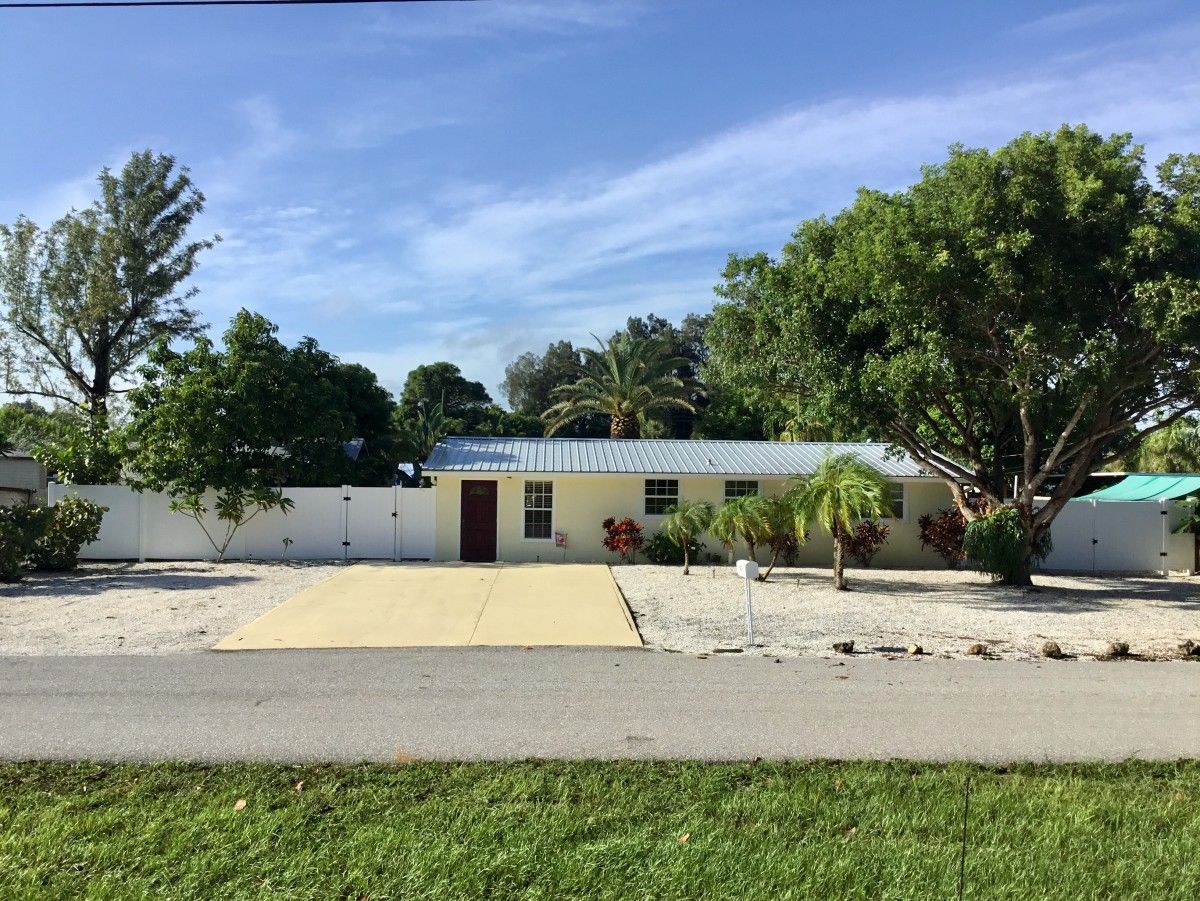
<point x="22" y="479"/>
<point x="543" y="499"/>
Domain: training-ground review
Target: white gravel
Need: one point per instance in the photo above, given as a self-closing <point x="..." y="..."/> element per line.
<point x="798" y="613"/>
<point x="144" y="608"/>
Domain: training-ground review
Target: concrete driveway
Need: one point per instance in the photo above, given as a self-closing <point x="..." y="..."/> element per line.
<point x="380" y="605"/>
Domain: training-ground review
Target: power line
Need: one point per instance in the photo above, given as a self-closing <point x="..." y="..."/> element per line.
<point x="99" y="4"/>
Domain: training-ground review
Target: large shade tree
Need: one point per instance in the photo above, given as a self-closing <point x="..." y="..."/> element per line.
<point x="85" y="299"/>
<point x="626" y="379"/>
<point x="1020" y="314"/>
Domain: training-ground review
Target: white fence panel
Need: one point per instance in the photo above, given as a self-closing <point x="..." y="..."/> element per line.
<point x="1128" y="537"/>
<point x="174" y="536"/>
<point x="1072" y="532"/>
<point x="416" y="531"/>
<point x="316" y="525"/>
<point x="371" y="523"/>
<point x="143" y="527"/>
<point x="120" y="534"/>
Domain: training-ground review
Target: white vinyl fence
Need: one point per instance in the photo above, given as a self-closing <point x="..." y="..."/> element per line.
<point x="345" y="523"/>
<point x="1120" y="536"/>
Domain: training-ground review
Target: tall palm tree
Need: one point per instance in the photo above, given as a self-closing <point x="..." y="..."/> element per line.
<point x="625" y="378"/>
<point x="741" y="518"/>
<point x="841" y="491"/>
<point x="685" y="521"/>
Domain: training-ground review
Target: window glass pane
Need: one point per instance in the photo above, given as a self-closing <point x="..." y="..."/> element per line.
<point x="740" y="487"/>
<point x="539" y="506"/>
<point x="660" y="494"/>
<point x="897" y="497"/>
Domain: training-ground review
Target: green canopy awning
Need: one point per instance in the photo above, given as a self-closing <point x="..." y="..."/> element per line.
<point x="1148" y="488"/>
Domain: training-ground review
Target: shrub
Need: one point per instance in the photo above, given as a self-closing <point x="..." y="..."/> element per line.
<point x="995" y="544"/>
<point x="944" y="533"/>
<point x="74" y="522"/>
<point x="20" y="528"/>
<point x="664" y="550"/>
<point x="623" y="537"/>
<point x="868" y="537"/>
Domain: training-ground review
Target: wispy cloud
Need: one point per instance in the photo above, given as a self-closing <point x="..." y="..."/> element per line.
<point x="504" y="18"/>
<point x="752" y="183"/>
<point x="1088" y="16"/>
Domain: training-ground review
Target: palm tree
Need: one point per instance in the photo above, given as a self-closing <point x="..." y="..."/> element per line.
<point x="626" y="378"/>
<point x="784" y="536"/>
<point x="741" y="518"/>
<point x="841" y="491"/>
<point x="685" y="520"/>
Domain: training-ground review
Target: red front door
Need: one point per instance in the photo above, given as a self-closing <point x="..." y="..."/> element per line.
<point x="477" y="535"/>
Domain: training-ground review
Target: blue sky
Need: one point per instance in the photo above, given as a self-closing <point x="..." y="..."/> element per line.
<point x="467" y="181"/>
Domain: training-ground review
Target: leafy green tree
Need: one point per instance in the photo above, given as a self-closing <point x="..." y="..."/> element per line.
<point x="626" y="379"/>
<point x="840" y="492"/>
<point x="1029" y="312"/>
<point x="84" y="451"/>
<point x="685" y="522"/>
<point x="741" y="518"/>
<point x="443" y="383"/>
<point x="530" y="381"/>
<point x="1175" y="448"/>
<point x="85" y="299"/>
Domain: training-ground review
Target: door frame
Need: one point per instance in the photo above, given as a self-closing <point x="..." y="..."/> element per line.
<point x="496" y="532"/>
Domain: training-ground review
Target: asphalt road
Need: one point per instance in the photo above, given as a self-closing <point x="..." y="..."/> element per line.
<point x="478" y="702"/>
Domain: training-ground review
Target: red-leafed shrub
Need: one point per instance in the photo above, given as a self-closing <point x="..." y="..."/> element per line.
<point x="623" y="537"/>
<point x="944" y="532"/>
<point x="866" y="540"/>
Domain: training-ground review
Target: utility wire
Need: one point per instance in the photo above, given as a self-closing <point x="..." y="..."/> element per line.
<point x="100" y="4"/>
<point x="962" y="860"/>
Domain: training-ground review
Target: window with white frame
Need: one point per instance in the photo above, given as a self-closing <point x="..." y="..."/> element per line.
<point x="539" y="510"/>
<point x="660" y="494"/>
<point x="896" y="496"/>
<point x="740" y="487"/>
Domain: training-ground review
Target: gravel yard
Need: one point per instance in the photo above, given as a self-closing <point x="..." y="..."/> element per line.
<point x="798" y="613"/>
<point x="144" y="608"/>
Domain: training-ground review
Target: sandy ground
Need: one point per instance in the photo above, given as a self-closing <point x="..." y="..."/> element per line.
<point x="144" y="608"/>
<point x="798" y="613"/>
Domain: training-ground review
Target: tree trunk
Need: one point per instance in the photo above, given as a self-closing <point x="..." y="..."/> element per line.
<point x="624" y="427"/>
<point x="839" y="560"/>
<point x="686" y="562"/>
<point x="1024" y="578"/>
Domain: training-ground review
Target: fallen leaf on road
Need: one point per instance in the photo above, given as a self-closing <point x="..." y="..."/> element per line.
<point x="239" y="804"/>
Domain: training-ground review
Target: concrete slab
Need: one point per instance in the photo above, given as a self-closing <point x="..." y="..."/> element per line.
<point x="555" y="604"/>
<point x="377" y="605"/>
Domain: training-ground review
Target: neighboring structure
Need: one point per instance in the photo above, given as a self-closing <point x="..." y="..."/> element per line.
<point x="529" y="499"/>
<point x="1128" y="526"/>
<point x="22" y="479"/>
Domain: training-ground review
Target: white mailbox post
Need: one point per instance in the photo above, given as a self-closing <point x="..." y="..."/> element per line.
<point x="748" y="570"/>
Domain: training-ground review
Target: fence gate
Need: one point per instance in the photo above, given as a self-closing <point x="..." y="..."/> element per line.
<point x="370" y="523"/>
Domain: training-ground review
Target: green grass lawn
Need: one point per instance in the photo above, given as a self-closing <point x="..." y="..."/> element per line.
<point x="598" y="830"/>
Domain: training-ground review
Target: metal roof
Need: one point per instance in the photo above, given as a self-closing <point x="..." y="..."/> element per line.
<point x="656" y="456"/>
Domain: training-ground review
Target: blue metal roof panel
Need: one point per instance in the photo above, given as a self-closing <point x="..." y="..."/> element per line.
<point x="656" y="456"/>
